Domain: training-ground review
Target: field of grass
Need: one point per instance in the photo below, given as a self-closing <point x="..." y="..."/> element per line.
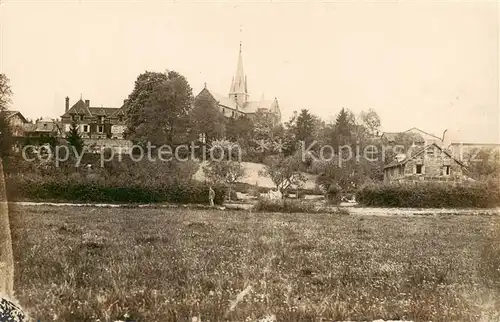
<point x="107" y="264"/>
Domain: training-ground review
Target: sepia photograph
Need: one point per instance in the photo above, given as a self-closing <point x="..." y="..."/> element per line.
<point x="253" y="161"/>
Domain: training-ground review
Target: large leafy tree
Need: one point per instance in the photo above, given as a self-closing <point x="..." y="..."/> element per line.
<point x="206" y="119"/>
<point x="370" y="122"/>
<point x="157" y="109"/>
<point x="482" y="163"/>
<point x="285" y="172"/>
<point x="225" y="167"/>
<point x="240" y="129"/>
<point x="267" y="126"/>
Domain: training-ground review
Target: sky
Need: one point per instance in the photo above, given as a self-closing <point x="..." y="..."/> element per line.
<point x="431" y="65"/>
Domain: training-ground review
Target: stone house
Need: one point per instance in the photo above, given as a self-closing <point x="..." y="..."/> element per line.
<point x="430" y="163"/>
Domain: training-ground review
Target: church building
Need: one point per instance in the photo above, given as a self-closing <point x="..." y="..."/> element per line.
<point x="237" y="102"/>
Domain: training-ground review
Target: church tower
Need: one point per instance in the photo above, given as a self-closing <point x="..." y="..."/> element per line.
<point x="238" y="91"/>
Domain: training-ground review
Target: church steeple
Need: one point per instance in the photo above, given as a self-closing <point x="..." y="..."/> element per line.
<point x="238" y="91"/>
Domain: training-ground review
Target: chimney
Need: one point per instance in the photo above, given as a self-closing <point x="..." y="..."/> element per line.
<point x="66" y="108"/>
<point x="87" y="103"/>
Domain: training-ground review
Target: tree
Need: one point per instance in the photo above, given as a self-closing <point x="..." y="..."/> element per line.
<point x="5" y="92"/>
<point x="483" y="163"/>
<point x="343" y="127"/>
<point x="74" y="138"/>
<point x="267" y="126"/>
<point x="157" y="109"/>
<point x="240" y="129"/>
<point x="370" y="121"/>
<point x="145" y="85"/>
<point x="6" y="139"/>
<point x="223" y="169"/>
<point x="206" y="119"/>
<point x="303" y="127"/>
<point x="268" y="135"/>
<point x="284" y="172"/>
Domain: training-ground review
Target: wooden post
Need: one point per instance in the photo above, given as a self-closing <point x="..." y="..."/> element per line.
<point x="6" y="253"/>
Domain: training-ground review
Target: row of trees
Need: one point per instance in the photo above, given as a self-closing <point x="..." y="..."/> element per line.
<point x="162" y="110"/>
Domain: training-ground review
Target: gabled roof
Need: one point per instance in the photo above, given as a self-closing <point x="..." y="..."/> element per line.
<point x="403" y="136"/>
<point x="79" y="108"/>
<point x="11" y="114"/>
<point x="418" y="152"/>
<point x="220" y="99"/>
<point x="427" y="136"/>
<point x="224" y="101"/>
<point x="248" y="108"/>
<point x="415" y="134"/>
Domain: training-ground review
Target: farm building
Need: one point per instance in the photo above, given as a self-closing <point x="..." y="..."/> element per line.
<point x="430" y="163"/>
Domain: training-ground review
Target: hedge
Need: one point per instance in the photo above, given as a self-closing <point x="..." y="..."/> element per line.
<point x="283" y="205"/>
<point x="431" y="195"/>
<point x="67" y="190"/>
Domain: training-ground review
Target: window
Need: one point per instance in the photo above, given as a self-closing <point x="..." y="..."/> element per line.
<point x="85" y="128"/>
<point x="120" y="118"/>
<point x="81" y="117"/>
<point x="419" y="169"/>
<point x="101" y="119"/>
<point x="223" y="111"/>
<point x="44" y="125"/>
<point x="446" y="170"/>
<point x="100" y="129"/>
<point x="233" y="114"/>
<point x="401" y="169"/>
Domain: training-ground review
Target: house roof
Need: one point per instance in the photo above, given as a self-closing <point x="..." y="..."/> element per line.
<point x="223" y="100"/>
<point x="46" y="125"/>
<point x="248" y="108"/>
<point x="414" y="134"/>
<point x="416" y="151"/>
<point x="423" y="133"/>
<point x="80" y="108"/>
<point x="10" y="114"/>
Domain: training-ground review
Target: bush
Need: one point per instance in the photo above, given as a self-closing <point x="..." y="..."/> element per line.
<point x="284" y="205"/>
<point x="333" y="193"/>
<point x="63" y="188"/>
<point x="431" y="195"/>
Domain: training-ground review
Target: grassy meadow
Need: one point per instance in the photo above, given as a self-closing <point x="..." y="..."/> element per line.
<point x="108" y="264"/>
